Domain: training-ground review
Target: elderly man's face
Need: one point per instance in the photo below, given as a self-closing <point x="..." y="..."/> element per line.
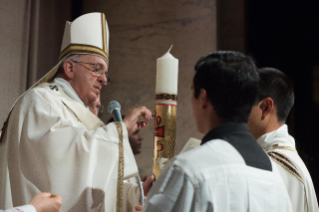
<point x="87" y="85"/>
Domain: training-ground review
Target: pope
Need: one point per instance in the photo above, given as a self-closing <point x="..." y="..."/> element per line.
<point x="51" y="142"/>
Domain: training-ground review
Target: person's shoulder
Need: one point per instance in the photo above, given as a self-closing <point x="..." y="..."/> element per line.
<point x="212" y="149"/>
<point x="194" y="153"/>
<point x="37" y="93"/>
<point x="35" y="98"/>
<point x="216" y="152"/>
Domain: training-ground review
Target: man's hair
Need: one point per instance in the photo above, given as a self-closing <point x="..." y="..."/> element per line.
<point x="60" y="71"/>
<point x="276" y="85"/>
<point x="231" y="82"/>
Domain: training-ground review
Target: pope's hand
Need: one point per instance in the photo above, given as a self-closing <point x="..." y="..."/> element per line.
<point x="46" y="202"/>
<point x="131" y="119"/>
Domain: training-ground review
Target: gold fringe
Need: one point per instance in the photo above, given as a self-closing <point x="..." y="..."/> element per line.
<point x="276" y="146"/>
<point x="120" y="177"/>
<point x="287" y="164"/>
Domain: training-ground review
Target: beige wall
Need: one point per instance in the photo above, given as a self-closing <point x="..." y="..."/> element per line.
<point x="140" y="32"/>
<point x="14" y="21"/>
<point x="30" y="39"/>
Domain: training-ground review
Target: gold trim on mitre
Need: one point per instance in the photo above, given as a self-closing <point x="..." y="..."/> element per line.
<point x="104" y="32"/>
<point x="82" y="49"/>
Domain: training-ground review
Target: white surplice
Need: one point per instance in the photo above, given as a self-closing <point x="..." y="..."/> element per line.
<point x="215" y="178"/>
<point x="47" y="149"/>
<point x="296" y="189"/>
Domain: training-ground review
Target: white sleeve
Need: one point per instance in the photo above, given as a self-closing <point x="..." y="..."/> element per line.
<point x="24" y="208"/>
<point x="172" y="191"/>
<point x="131" y="196"/>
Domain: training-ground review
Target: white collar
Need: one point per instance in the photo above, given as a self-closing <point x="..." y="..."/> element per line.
<point x="279" y="136"/>
<point x="68" y="90"/>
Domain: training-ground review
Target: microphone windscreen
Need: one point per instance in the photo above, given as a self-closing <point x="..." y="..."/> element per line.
<point x="113" y="105"/>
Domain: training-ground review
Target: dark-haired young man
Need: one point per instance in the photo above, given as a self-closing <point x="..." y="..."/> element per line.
<point x="267" y="124"/>
<point x="229" y="171"/>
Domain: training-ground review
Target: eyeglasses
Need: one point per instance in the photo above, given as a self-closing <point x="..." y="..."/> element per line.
<point x="97" y="70"/>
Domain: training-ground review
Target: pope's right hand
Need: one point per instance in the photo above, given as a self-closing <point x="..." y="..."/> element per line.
<point x="131" y="119"/>
<point x="46" y="202"/>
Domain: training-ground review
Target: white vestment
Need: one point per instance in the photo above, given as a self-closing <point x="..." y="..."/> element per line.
<point x="47" y="149"/>
<point x="301" y="191"/>
<point x="23" y="208"/>
<point x="215" y="178"/>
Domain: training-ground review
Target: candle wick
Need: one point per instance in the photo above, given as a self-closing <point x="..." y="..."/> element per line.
<point x="170" y="49"/>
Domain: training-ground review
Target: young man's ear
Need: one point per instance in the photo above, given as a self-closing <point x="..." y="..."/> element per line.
<point x="68" y="69"/>
<point x="203" y="98"/>
<point x="266" y="106"/>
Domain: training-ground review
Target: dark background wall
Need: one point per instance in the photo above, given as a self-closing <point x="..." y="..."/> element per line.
<point x="285" y="35"/>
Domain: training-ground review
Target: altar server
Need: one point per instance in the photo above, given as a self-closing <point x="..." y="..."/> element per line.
<point x="51" y="142"/>
<point x="267" y="124"/>
<point x="229" y="171"/>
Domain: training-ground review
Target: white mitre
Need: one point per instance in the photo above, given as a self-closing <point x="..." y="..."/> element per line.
<point x="88" y="34"/>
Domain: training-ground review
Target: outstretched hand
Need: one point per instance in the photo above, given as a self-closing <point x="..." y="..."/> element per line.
<point x="147" y="185"/>
<point x="46" y="202"/>
<point x="131" y="119"/>
<point x="138" y="208"/>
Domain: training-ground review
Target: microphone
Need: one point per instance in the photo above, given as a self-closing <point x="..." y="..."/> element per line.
<point x="114" y="108"/>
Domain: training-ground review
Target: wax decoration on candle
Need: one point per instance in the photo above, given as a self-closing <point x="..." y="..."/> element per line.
<point x="165" y="110"/>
